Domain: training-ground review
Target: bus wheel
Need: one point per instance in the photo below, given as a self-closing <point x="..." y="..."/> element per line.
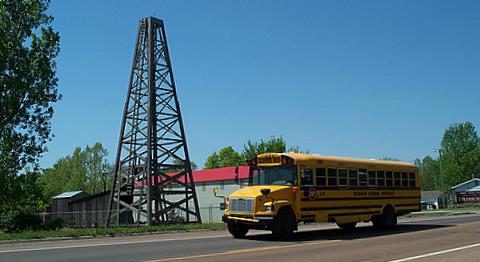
<point x="283" y="225"/>
<point x="377" y="222"/>
<point x="347" y="226"/>
<point x="237" y="231"/>
<point x="387" y="220"/>
<point x="389" y="217"/>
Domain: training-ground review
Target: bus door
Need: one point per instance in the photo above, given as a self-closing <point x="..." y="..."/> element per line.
<point x="307" y="186"/>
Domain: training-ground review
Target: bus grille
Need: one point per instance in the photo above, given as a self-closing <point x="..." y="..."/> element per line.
<point x="241" y="205"/>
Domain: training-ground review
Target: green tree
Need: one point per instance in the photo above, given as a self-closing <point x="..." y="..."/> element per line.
<point x="298" y="149"/>
<point x="28" y="88"/>
<point x="179" y="162"/>
<point x="223" y="158"/>
<point x="273" y="145"/>
<point x="84" y="170"/>
<point x="96" y="166"/>
<point x="229" y="157"/>
<point x="212" y="161"/>
<point x="388" y="158"/>
<point x="32" y="198"/>
<point x="460" y="153"/>
<point x="429" y="169"/>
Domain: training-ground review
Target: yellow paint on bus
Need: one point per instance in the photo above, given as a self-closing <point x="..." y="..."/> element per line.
<point x="288" y="188"/>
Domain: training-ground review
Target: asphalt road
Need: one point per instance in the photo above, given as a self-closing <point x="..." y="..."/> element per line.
<point x="455" y="238"/>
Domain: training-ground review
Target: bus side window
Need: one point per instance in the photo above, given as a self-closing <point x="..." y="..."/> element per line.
<point x="404" y="179"/>
<point x="381" y="178"/>
<point x="412" y="180"/>
<point x="372" y="179"/>
<point x="332" y="176"/>
<point x="321" y="177"/>
<point x="306" y="176"/>
<point x="388" y="179"/>
<point x="398" y="180"/>
<point x="362" y="177"/>
<point x="352" y="174"/>
<point x="342" y="177"/>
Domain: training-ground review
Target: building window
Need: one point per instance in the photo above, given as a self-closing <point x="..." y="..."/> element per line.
<point x="342" y="177"/>
<point x="332" y="176"/>
<point x="321" y="177"/>
<point x="222" y="184"/>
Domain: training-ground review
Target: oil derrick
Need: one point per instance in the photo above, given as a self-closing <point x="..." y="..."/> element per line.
<point x="153" y="182"/>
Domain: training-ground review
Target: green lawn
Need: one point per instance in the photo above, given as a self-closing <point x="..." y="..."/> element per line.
<point x="445" y="212"/>
<point x="112" y="231"/>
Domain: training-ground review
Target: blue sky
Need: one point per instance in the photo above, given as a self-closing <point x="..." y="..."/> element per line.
<point x="350" y="78"/>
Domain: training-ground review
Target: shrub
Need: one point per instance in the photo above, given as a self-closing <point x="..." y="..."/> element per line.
<point x="55" y="224"/>
<point x="25" y="221"/>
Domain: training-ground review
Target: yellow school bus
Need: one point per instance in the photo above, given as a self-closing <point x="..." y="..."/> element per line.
<point x="288" y="188"/>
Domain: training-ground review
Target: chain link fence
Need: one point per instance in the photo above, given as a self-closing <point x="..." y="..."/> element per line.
<point x="97" y="218"/>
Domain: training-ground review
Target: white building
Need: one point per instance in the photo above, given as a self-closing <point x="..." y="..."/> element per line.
<point x="222" y="178"/>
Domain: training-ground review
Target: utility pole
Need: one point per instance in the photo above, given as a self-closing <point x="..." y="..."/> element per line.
<point x="440" y="151"/>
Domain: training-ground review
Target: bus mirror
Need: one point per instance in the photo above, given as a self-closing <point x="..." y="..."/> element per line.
<point x="265" y="191"/>
<point x="215" y="192"/>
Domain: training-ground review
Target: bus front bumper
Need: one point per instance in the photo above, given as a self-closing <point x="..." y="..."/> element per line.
<point x="254" y="222"/>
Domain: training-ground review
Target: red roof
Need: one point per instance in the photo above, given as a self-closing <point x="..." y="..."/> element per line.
<point x="215" y="174"/>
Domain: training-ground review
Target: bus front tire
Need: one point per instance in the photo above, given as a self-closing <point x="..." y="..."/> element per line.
<point x="237" y="231"/>
<point x="283" y="225"/>
<point x="347" y="226"/>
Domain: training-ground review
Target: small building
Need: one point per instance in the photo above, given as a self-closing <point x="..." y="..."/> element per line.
<point x="225" y="179"/>
<point x="90" y="210"/>
<point x="80" y="209"/>
<point x="60" y="208"/>
<point x="467" y="192"/>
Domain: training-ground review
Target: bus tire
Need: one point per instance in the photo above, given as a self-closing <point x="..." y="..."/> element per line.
<point x="237" y="231"/>
<point x="377" y="222"/>
<point x="389" y="217"/>
<point x="347" y="226"/>
<point x="284" y="224"/>
<point x="387" y="220"/>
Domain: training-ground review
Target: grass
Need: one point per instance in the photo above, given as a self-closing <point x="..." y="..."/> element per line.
<point x="444" y="212"/>
<point x="111" y="231"/>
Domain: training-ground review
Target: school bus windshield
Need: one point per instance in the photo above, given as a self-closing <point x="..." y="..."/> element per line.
<point x="277" y="175"/>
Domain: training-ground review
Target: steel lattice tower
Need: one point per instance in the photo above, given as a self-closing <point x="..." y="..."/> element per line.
<point x="153" y="180"/>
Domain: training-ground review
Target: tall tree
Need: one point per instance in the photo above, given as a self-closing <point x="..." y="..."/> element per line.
<point x="273" y="145"/>
<point x="460" y="156"/>
<point x="179" y="162"/>
<point x="96" y="165"/>
<point x="223" y="158"/>
<point x="229" y="157"/>
<point x="429" y="169"/>
<point x="83" y="170"/>
<point x="389" y="158"/>
<point x="28" y="88"/>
